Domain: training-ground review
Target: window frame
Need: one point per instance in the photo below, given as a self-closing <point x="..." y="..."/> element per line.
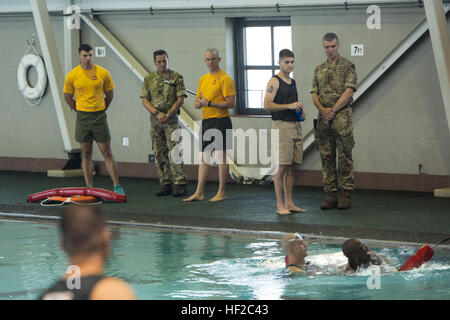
<point x="242" y="97"/>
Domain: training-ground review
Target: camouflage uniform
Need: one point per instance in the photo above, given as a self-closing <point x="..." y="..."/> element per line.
<point x="330" y="82"/>
<point x="163" y="95"/>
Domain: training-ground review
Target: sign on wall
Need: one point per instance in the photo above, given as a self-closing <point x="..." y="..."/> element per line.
<point x="100" y="52"/>
<point x="357" y="50"/>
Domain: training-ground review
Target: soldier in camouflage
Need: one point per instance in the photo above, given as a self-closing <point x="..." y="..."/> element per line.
<point x="333" y="85"/>
<point x="162" y="95"/>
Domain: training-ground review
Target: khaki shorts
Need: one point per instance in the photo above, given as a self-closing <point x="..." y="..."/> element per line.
<point x="290" y="141"/>
<point x="92" y="126"/>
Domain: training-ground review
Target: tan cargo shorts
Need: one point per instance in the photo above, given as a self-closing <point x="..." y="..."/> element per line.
<point x="290" y="141"/>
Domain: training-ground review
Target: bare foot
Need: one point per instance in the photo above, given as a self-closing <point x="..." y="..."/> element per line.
<point x="283" y="211"/>
<point x="218" y="197"/>
<point x="294" y="208"/>
<point x="195" y="197"/>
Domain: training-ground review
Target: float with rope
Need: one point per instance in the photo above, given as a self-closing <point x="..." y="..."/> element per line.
<point x="76" y="195"/>
<point x="31" y="59"/>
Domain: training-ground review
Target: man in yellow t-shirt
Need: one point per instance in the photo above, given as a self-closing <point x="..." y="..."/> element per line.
<point x="94" y="89"/>
<point x="215" y="95"/>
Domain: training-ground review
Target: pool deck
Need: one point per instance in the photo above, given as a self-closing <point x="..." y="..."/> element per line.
<point x="381" y="215"/>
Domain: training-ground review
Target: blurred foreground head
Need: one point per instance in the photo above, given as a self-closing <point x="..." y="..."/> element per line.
<point x="83" y="230"/>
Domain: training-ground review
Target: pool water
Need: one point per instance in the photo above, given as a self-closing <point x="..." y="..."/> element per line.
<point x="169" y="265"/>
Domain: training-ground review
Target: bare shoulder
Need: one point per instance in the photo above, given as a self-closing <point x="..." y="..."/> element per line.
<point x="273" y="83"/>
<point x="111" y="288"/>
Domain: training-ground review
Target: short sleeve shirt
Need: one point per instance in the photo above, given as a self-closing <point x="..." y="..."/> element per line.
<point x="163" y="92"/>
<point x="330" y="81"/>
<point x="215" y="88"/>
<point x="89" y="87"/>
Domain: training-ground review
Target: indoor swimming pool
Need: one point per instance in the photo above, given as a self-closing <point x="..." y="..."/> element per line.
<point x="173" y="265"/>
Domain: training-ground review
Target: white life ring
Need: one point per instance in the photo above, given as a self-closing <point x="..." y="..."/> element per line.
<point x="32" y="60"/>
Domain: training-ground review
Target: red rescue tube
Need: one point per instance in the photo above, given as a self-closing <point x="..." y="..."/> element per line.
<point x="106" y="194"/>
<point x="55" y="192"/>
<point x="80" y="191"/>
<point x="42" y="195"/>
<point x="424" y="254"/>
<point x="68" y="192"/>
<point x="64" y="192"/>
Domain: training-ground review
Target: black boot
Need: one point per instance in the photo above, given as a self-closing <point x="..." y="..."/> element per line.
<point x="166" y="189"/>
<point x="180" y="191"/>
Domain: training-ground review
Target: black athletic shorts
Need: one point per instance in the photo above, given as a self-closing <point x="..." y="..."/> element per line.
<point x="209" y="136"/>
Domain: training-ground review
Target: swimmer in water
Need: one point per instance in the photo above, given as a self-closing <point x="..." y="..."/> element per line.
<point x="296" y="252"/>
<point x="359" y="255"/>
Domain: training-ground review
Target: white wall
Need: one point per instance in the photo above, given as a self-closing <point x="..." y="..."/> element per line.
<point x="398" y="124"/>
<point x="25" y="131"/>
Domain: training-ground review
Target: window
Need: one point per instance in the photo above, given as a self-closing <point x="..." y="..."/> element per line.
<point x="258" y="43"/>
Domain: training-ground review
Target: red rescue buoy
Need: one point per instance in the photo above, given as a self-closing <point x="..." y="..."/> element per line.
<point x="424" y="254"/>
<point x="69" y="192"/>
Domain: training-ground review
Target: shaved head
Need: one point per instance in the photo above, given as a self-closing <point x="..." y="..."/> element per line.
<point x="286" y="238"/>
<point x="296" y="248"/>
<point x="81" y="229"/>
<point x="213" y="50"/>
<point x="212" y="60"/>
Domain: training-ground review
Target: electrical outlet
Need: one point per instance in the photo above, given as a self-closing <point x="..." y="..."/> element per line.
<point x="151" y="158"/>
<point x="125" y="141"/>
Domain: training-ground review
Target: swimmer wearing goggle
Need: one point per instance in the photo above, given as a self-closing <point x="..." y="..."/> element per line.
<point x="296" y="252"/>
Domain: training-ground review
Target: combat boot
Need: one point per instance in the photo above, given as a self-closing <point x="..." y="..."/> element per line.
<point x="345" y="200"/>
<point x="180" y="191"/>
<point x="331" y="201"/>
<point x="166" y="189"/>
